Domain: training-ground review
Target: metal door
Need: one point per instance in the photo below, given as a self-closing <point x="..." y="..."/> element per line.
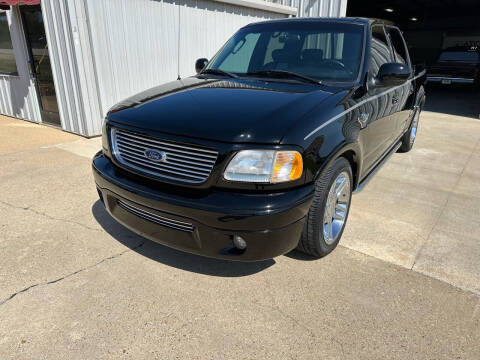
<point x="40" y="67"/>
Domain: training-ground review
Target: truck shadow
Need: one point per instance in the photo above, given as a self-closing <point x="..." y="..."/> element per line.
<point x="171" y="257"/>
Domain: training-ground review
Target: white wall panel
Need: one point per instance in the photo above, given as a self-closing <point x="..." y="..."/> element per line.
<point x="322" y="8"/>
<point x="69" y="66"/>
<point x="18" y="97"/>
<point x="205" y="26"/>
<point x="138" y="44"/>
<point x="103" y="51"/>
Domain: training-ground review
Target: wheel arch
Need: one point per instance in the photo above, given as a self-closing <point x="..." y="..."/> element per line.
<point x="352" y="153"/>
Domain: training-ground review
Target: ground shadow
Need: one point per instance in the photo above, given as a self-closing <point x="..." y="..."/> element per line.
<point x="298" y="255"/>
<point x="461" y="101"/>
<point x="172" y="257"/>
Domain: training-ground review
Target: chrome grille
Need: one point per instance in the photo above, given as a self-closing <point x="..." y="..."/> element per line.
<point x="180" y="162"/>
<point x="170" y="223"/>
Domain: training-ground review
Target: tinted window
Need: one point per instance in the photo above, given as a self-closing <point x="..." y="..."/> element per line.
<point x="320" y="50"/>
<point x="379" y="51"/>
<point x="238" y="58"/>
<point x="398" y="46"/>
<point x="7" y="58"/>
<point x="466" y="56"/>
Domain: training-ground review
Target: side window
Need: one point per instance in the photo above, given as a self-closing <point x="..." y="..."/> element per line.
<point x="379" y="51"/>
<point x="239" y="58"/>
<point x="399" y="50"/>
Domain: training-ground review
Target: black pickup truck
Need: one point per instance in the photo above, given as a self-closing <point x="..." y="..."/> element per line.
<point x="259" y="153"/>
<point x="456" y="66"/>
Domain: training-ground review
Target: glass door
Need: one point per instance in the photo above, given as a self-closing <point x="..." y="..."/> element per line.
<point x="40" y="62"/>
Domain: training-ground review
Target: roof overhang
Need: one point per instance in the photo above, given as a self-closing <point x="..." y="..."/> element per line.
<point x="19" y="2"/>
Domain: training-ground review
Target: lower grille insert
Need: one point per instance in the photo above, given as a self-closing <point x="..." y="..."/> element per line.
<point x="157" y="219"/>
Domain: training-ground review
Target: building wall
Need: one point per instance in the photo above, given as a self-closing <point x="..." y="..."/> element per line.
<point x="317" y="8"/>
<point x="18" y="97"/>
<point x="322" y="8"/>
<point x="70" y="67"/>
<point x="140" y="44"/>
<point x="103" y="51"/>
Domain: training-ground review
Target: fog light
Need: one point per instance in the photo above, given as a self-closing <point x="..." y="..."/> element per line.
<point x="239" y="242"/>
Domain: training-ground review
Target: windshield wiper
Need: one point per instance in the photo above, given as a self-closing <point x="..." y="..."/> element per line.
<point x="284" y="74"/>
<point x="218" y="72"/>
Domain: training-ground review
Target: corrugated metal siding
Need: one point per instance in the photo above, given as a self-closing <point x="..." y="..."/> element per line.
<point x="137" y="44"/>
<point x="201" y="38"/>
<point x="322" y="8"/>
<point x="317" y="8"/>
<point x="72" y="67"/>
<point x="104" y="51"/>
<point x="18" y="97"/>
<point x="64" y="68"/>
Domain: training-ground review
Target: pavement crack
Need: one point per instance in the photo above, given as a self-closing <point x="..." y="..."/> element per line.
<point x="274" y="306"/>
<point x="45" y="283"/>
<point x="40" y="213"/>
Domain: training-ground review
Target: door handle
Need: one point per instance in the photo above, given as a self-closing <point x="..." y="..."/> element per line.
<point x="363" y="119"/>
<point x="394" y="100"/>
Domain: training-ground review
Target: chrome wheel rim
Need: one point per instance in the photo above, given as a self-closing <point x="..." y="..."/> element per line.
<point x="336" y="208"/>
<point x="413" y="132"/>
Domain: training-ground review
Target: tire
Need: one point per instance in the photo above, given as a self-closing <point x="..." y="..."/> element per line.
<point x="408" y="139"/>
<point x="314" y="241"/>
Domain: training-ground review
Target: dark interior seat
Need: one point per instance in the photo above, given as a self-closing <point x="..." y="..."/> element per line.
<point x="312" y="56"/>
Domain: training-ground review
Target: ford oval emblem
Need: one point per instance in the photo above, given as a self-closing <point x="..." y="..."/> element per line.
<point x="155" y="155"/>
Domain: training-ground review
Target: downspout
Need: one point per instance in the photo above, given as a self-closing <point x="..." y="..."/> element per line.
<point x="178" y="43"/>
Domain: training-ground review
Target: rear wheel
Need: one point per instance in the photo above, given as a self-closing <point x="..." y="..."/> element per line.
<point x="408" y="138"/>
<point x="328" y="213"/>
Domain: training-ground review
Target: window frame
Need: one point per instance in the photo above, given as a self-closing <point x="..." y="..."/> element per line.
<point x="12" y="73"/>
<point x="389" y="45"/>
<point x="362" y="64"/>
<point x="392" y="49"/>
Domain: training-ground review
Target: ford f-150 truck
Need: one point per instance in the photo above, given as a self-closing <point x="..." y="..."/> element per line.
<point x="260" y="151"/>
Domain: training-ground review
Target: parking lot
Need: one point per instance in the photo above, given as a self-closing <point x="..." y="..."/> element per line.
<point x="404" y="282"/>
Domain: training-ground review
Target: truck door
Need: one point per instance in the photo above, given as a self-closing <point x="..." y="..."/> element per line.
<point x="403" y="95"/>
<point x="376" y="117"/>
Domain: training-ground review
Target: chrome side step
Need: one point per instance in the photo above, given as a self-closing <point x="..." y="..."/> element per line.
<point x="372" y="173"/>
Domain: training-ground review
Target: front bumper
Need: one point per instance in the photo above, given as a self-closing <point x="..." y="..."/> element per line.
<point x="271" y="224"/>
<point x="446" y="80"/>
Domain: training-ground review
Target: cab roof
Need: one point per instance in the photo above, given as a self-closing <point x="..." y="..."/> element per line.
<point x="348" y="20"/>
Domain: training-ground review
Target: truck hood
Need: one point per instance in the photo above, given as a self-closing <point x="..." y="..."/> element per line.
<point x="229" y="110"/>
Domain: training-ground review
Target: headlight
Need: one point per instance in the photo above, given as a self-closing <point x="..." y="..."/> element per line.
<point x="265" y="166"/>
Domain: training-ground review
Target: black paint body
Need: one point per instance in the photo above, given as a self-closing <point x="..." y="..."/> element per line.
<point x="228" y="115"/>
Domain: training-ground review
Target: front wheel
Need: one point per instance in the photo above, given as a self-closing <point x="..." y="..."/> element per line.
<point x="328" y="213"/>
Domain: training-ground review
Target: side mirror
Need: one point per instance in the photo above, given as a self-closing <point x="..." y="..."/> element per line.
<point x="200" y="64"/>
<point x="392" y="74"/>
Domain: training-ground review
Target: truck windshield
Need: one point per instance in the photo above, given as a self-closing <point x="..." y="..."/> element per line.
<point x="319" y="50"/>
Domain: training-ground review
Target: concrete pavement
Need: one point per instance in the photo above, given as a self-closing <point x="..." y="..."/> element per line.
<point x="403" y="283"/>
